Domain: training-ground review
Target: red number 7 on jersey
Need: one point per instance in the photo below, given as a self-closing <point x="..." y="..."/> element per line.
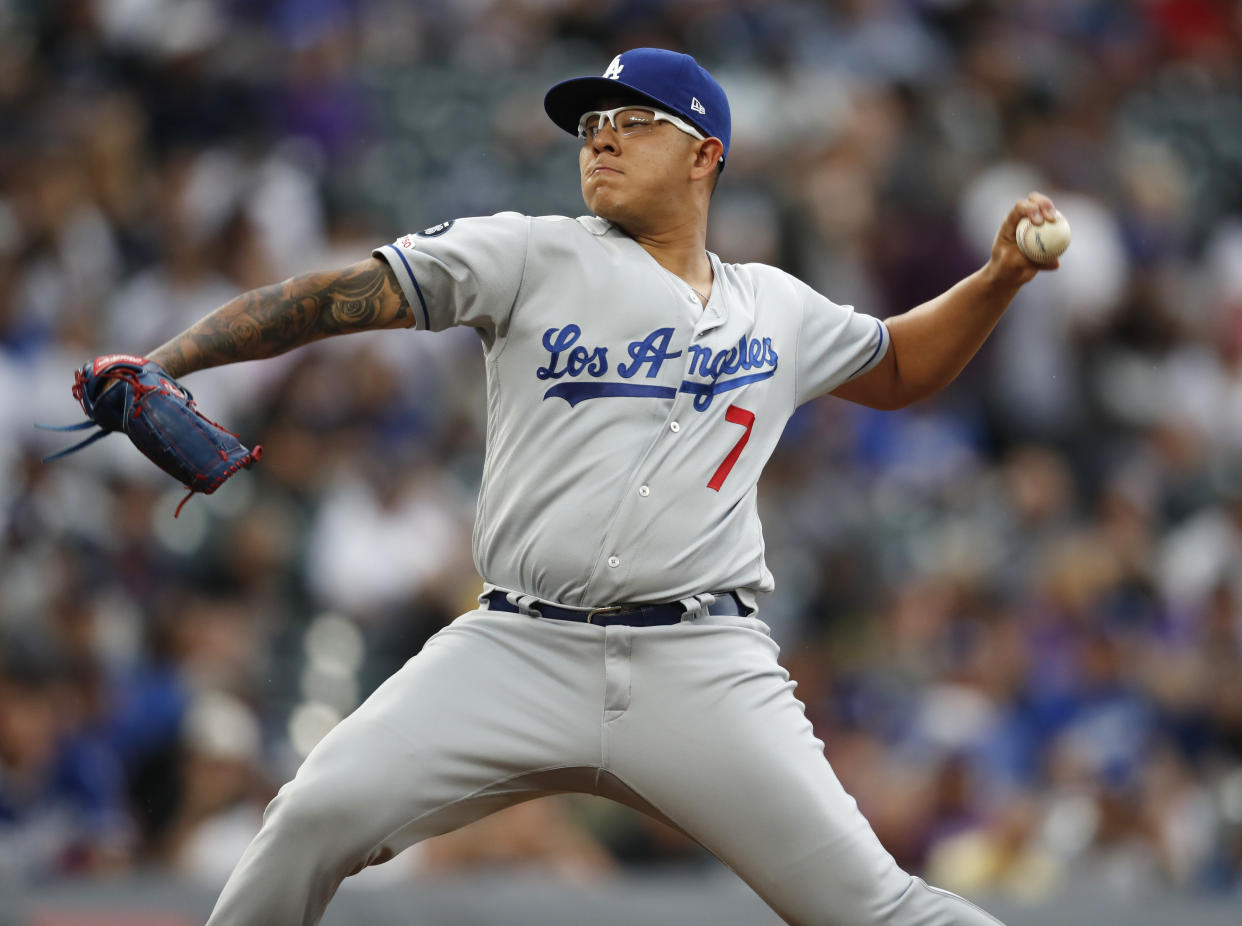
<point x="736" y="415"/>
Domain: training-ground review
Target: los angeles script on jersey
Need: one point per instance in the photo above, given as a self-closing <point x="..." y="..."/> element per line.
<point x="585" y="370"/>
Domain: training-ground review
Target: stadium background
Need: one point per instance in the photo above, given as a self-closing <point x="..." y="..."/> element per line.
<point x="1014" y="611"/>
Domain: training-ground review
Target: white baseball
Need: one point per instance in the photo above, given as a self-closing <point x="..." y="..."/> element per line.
<point x="1043" y="243"/>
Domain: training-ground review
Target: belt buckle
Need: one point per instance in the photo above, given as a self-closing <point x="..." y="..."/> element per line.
<point x="612" y="609"/>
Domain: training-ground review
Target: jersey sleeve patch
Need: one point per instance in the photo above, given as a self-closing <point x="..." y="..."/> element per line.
<point x="436" y="230"/>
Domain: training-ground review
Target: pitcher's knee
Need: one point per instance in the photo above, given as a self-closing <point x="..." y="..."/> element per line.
<point x="325" y="830"/>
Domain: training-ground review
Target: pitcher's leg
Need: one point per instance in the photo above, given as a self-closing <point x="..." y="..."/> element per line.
<point x="715" y="740"/>
<point x="463" y="729"/>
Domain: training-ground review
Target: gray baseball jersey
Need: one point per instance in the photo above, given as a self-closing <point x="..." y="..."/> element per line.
<point x="627" y="428"/>
<point x="627" y="424"/>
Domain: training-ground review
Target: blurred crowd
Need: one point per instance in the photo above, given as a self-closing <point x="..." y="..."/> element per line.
<point x="1014" y="611"/>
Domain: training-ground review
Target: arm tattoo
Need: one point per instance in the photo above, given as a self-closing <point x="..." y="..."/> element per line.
<point x="274" y="319"/>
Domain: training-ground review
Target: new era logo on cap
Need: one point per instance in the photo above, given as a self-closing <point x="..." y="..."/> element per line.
<point x="667" y="79"/>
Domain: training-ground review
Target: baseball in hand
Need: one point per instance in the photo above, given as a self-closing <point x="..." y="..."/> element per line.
<point x="1043" y="243"/>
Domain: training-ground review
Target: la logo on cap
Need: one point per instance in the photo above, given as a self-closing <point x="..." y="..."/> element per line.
<point x="697" y="106"/>
<point x="614" y="70"/>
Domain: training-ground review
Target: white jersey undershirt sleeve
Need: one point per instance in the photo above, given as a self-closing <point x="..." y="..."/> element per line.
<point x="470" y="277"/>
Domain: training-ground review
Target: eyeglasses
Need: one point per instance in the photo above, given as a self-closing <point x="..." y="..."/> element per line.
<point x="628" y="120"/>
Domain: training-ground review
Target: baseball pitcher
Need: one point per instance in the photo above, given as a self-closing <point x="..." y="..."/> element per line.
<point x="636" y="386"/>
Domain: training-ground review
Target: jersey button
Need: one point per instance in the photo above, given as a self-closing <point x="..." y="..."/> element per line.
<point x="674" y="426"/>
<point x="614" y="561"/>
<point x="644" y="491"/>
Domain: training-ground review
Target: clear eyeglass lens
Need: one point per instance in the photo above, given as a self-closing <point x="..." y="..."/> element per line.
<point x="626" y="122"/>
<point x="634" y="121"/>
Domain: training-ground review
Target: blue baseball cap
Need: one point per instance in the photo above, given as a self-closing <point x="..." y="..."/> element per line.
<point x="667" y="79"/>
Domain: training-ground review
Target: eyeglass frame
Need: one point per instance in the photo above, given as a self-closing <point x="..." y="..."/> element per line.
<point x="658" y="115"/>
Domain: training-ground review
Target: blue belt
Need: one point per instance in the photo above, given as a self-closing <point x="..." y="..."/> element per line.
<point x="629" y="615"/>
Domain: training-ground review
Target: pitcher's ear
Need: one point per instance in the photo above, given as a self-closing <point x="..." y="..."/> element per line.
<point x="708" y="155"/>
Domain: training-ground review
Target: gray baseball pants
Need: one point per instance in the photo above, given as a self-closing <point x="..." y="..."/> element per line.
<point x="694" y="723"/>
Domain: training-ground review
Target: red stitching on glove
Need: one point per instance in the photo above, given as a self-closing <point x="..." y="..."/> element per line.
<point x="244" y="463"/>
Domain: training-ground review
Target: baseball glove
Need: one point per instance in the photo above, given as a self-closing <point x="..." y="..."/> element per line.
<point x="120" y="392"/>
